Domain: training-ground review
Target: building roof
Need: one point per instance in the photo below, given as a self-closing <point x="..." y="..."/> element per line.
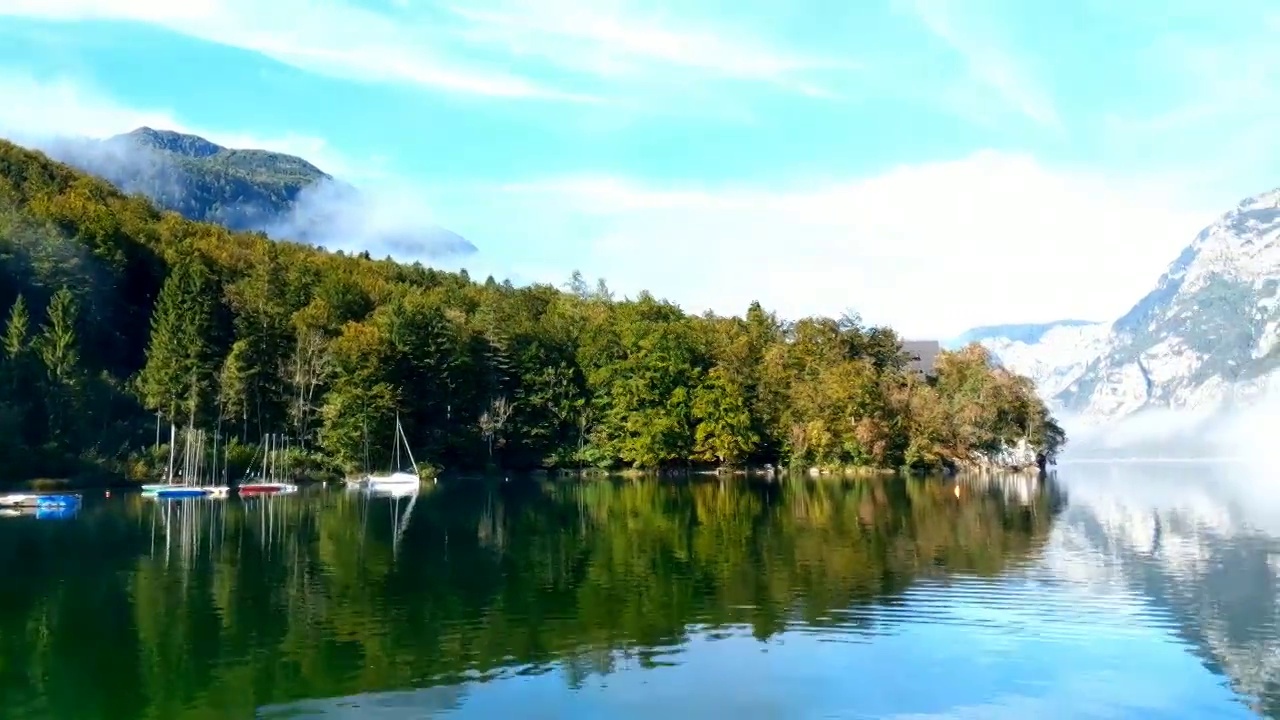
<point x="923" y="354"/>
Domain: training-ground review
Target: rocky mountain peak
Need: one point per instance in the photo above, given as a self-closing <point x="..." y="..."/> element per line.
<point x="1207" y="335"/>
<point x="192" y="146"/>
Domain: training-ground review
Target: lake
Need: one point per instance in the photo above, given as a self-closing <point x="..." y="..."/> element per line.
<point x="1118" y="591"/>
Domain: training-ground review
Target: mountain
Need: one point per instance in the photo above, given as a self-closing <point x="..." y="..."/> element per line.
<point x="1052" y="359"/>
<point x="1206" y="333"/>
<point x="1207" y="336"/>
<point x="1027" y="333"/>
<point x="243" y="189"/>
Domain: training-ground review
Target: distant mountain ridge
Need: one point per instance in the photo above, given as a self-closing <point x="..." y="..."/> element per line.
<point x="282" y="195"/>
<point x="1017" y="332"/>
<point x="1205" y="338"/>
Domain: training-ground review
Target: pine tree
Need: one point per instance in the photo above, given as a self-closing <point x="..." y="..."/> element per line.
<point x="15" y="333"/>
<point x="178" y="378"/>
<point x="57" y="341"/>
<point x="60" y="355"/>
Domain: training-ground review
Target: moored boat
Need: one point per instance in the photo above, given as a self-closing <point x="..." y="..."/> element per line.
<point x="397" y="478"/>
<point x="267" y="488"/>
<point x="39" y="500"/>
<point x="182" y="491"/>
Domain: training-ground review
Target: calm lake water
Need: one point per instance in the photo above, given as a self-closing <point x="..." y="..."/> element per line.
<point x="1112" y="591"/>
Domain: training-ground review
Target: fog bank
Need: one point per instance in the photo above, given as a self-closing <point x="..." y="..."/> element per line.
<point x="1245" y="431"/>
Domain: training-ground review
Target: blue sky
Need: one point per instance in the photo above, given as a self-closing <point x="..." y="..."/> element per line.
<point x="933" y="165"/>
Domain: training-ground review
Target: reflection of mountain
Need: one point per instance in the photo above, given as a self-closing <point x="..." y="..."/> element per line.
<point x="1197" y="540"/>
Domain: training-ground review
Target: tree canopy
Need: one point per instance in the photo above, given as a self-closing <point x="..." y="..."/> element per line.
<point x="118" y="312"/>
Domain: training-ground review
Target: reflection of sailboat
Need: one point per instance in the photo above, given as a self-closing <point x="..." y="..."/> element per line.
<point x="188" y="527"/>
<point x="397" y="478"/>
<point x="398" y="521"/>
<point x="269" y="511"/>
<point x="274" y="469"/>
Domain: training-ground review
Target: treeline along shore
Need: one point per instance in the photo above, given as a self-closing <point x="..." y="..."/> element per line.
<point x="122" y="319"/>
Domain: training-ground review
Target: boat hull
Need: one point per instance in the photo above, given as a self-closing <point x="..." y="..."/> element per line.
<point x="59" y="500"/>
<point x="394" y="480"/>
<point x="182" y="492"/>
<point x="267" y="489"/>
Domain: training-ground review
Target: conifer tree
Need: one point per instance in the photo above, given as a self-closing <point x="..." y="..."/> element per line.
<point x="178" y="378"/>
<point x="16" y="329"/>
<point x="60" y="355"/>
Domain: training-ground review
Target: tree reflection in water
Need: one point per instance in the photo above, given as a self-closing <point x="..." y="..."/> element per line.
<point x="139" y="609"/>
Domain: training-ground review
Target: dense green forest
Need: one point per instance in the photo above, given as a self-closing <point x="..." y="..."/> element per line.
<point x="122" y="318"/>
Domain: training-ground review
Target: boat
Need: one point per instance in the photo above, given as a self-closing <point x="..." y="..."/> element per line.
<point x="263" y="483"/>
<point x="267" y="488"/>
<point x="40" y="500"/>
<point x="182" y="491"/>
<point x="168" y="488"/>
<point x="15" y="500"/>
<point x="397" y="478"/>
<point x="41" y="513"/>
<point x="57" y="512"/>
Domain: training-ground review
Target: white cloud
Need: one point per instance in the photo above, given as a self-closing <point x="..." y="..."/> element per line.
<point x="65" y="108"/>
<point x="931" y="249"/>
<point x="445" y="47"/>
<point x="597" y="39"/>
<point x="332" y="38"/>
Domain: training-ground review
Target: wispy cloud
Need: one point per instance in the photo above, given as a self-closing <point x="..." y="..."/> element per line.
<point x="565" y="47"/>
<point x="931" y="248"/>
<point x="989" y="64"/>
<point x="593" y="38"/>
<point x="332" y="38"/>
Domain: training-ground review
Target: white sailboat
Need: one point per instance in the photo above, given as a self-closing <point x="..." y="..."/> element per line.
<point x="169" y="488"/>
<point x="272" y="479"/>
<point x="397" y="478"/>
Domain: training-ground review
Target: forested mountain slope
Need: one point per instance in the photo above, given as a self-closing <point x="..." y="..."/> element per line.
<point x="282" y="195"/>
<point x="118" y="311"/>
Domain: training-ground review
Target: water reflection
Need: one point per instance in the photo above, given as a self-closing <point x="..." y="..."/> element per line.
<point x="1198" y="540"/>
<point x="876" y="598"/>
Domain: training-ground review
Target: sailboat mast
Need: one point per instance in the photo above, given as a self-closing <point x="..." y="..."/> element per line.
<point x="397" y="444"/>
<point x="405" y="439"/>
<point x="173" y="441"/>
<point x="197" y="459"/>
<point x="186" y="455"/>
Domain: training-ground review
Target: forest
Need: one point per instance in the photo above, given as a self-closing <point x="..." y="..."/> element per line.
<point x="122" y="319"/>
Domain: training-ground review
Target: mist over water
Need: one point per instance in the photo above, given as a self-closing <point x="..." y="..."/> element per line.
<point x="1240" y="432"/>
